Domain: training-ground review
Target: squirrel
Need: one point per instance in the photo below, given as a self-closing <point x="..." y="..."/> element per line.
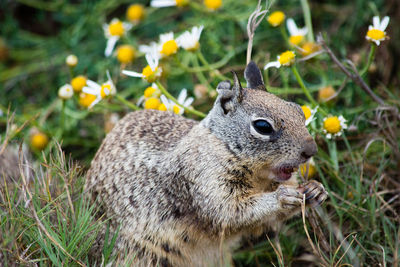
<point x="183" y="193"/>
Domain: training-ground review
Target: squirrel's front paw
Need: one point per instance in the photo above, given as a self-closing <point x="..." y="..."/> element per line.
<point x="315" y="193"/>
<point x="289" y="197"/>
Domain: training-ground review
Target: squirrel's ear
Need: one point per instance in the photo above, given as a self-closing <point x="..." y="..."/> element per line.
<point x="253" y="77"/>
<point x="230" y="96"/>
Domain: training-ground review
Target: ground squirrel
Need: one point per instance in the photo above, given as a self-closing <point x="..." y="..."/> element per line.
<point x="183" y="193"/>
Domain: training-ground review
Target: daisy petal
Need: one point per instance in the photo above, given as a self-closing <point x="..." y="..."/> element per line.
<point x="188" y="102"/>
<point x="93" y="84"/>
<point x="375" y="22"/>
<point x="182" y="96"/>
<point x="384" y="23"/>
<point x="274" y="64"/>
<point x="132" y="73"/>
<point x="291" y="25"/>
<point x="89" y="90"/>
<point x="110" y="45"/>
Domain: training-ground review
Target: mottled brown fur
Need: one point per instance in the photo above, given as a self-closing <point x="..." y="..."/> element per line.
<point x="179" y="189"/>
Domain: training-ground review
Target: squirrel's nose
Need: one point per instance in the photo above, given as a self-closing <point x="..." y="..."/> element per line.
<point x="309" y="149"/>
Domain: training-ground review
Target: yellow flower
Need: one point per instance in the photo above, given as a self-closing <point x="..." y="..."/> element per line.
<point x="149" y="73"/>
<point x="284" y="59"/>
<point x="376" y="32"/>
<point x="168" y="44"/>
<point x="85" y="100"/>
<point x="125" y="53"/>
<point x="151" y="92"/>
<point x="102" y="91"/>
<point x="326" y="93"/>
<point x="135" y="13"/>
<point x="309" y="172"/>
<point x="308" y="48"/>
<point x="276" y="18"/>
<point x="296" y="34"/>
<point x="182" y="100"/>
<point x="116" y="28"/>
<point x="213" y="4"/>
<point x="71" y="60"/>
<point x="39" y="140"/>
<point x="333" y="126"/>
<point x="162" y="107"/>
<point x="309" y="113"/>
<point x="78" y="83"/>
<point x="169" y="48"/>
<point x="306" y="111"/>
<point x="113" y="32"/>
<point x="152" y="103"/>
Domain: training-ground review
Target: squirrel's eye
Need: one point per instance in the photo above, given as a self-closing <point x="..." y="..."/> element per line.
<point x="263" y="127"/>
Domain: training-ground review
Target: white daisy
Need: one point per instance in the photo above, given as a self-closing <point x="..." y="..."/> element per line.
<point x="113" y="31"/>
<point x="151" y="91"/>
<point x="66" y="91"/>
<point x="182" y="99"/>
<point x="168" y="45"/>
<point x="334" y="126"/>
<point x="100" y="91"/>
<point x="309" y="113"/>
<point x="296" y="34"/>
<point x="149" y="73"/>
<point x="284" y="59"/>
<point x="376" y="32"/>
<point x="190" y="40"/>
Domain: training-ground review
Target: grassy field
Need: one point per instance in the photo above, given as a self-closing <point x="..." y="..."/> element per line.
<point x="350" y="81"/>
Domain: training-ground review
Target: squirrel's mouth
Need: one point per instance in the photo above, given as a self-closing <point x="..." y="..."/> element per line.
<point x="284" y="172"/>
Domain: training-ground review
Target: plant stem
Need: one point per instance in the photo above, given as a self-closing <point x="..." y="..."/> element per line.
<point x="370" y="59"/>
<point x="126" y="102"/>
<point x="62" y="117"/>
<point x="284" y="33"/>
<point x="168" y="95"/>
<point x="301" y="83"/>
<point x="307" y="19"/>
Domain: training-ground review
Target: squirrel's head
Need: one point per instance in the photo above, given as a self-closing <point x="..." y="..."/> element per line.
<point x="259" y="128"/>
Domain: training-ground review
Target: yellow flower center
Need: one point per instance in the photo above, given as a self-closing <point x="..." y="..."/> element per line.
<point x="105" y="90"/>
<point x="286" y="58"/>
<point x="311" y="170"/>
<point x="78" y="83"/>
<point x="39" y="141"/>
<point x="85" y="100"/>
<point x="149" y="74"/>
<point x="276" y="18"/>
<point x="296" y="39"/>
<point x="125" y="53"/>
<point x="376" y="34"/>
<point x="162" y="107"/>
<point x="135" y="13"/>
<point x="325" y="93"/>
<point x="181" y="3"/>
<point x="213" y="4"/>
<point x="332" y="125"/>
<point x="306" y="111"/>
<point x="308" y="48"/>
<point x="152" y="103"/>
<point x="116" y="28"/>
<point x="169" y="48"/>
<point x="176" y="109"/>
<point x="151" y="91"/>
